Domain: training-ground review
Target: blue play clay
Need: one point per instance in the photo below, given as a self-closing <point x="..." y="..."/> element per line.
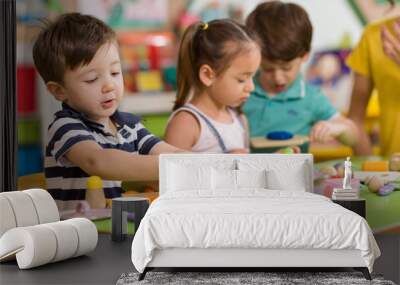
<point x="279" y="135"/>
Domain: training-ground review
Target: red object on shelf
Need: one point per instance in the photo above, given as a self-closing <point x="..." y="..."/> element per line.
<point x="26" y="89"/>
<point x="154" y="58"/>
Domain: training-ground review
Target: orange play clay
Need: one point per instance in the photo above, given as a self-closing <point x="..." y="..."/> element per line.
<point x="382" y="165"/>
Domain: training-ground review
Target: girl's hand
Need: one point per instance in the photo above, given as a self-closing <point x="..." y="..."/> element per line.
<point x="324" y="131"/>
<point x="239" y="150"/>
<point x="390" y="42"/>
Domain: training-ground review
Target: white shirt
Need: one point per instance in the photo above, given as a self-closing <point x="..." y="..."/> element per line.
<point x="233" y="134"/>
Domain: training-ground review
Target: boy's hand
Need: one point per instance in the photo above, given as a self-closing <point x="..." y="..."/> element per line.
<point x="239" y="150"/>
<point x="325" y="131"/>
<point x="289" y="150"/>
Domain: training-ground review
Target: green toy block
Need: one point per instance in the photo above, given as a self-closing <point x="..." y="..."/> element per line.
<point x="28" y="131"/>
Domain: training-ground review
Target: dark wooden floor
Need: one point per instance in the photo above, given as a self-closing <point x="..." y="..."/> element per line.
<point x="110" y="260"/>
<point x="102" y="266"/>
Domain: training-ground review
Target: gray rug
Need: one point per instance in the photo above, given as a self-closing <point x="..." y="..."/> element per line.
<point x="230" y="278"/>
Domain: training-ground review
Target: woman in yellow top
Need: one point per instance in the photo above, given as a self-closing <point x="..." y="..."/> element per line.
<point x="374" y="64"/>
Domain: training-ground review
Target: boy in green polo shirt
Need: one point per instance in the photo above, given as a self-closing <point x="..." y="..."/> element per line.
<point x="282" y="100"/>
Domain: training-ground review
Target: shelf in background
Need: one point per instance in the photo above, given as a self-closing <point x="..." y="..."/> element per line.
<point x="148" y="103"/>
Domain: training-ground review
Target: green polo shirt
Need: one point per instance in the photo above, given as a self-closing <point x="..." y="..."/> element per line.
<point x="295" y="110"/>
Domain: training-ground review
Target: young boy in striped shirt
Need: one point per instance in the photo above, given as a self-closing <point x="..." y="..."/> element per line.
<point x="77" y="57"/>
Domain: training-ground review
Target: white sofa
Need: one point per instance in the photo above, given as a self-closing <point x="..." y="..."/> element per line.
<point x="204" y="196"/>
<point x="31" y="230"/>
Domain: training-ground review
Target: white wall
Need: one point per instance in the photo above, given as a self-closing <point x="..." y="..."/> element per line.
<point x="331" y="19"/>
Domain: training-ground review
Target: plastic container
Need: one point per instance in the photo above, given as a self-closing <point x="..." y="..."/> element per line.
<point x="94" y="193"/>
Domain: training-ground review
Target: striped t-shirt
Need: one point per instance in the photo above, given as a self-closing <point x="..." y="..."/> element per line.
<point x="66" y="181"/>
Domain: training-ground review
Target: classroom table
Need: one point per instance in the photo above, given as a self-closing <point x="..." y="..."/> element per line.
<point x="383" y="212"/>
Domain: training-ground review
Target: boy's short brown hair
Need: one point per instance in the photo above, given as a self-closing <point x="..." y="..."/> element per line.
<point x="284" y="29"/>
<point x="72" y="40"/>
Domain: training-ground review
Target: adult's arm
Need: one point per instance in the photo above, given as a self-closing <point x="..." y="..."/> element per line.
<point x="360" y="96"/>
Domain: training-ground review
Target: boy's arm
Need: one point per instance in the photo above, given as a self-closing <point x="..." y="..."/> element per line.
<point x="361" y="93"/>
<point x="338" y="127"/>
<point x="113" y="164"/>
<point x="183" y="131"/>
<point x="163" y="147"/>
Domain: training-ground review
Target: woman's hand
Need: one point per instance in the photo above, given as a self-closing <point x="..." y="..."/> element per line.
<point x="391" y="42"/>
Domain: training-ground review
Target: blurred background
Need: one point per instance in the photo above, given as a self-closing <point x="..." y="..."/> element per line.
<point x="149" y="32"/>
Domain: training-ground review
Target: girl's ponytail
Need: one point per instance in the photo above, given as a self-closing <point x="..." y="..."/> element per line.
<point x="186" y="68"/>
<point x="207" y="43"/>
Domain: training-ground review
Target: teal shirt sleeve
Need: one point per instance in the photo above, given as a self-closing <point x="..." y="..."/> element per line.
<point x="321" y="106"/>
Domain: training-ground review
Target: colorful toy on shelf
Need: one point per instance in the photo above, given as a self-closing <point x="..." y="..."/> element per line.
<point x="153" y="57"/>
<point x="149" y="81"/>
<point x="130" y="82"/>
<point x="30" y="159"/>
<point x="26" y="89"/>
<point x="170" y="80"/>
<point x="28" y="128"/>
<point x="144" y="55"/>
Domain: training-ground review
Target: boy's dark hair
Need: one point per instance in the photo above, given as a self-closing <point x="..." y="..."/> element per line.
<point x="284" y="29"/>
<point x="216" y="44"/>
<point x="72" y="40"/>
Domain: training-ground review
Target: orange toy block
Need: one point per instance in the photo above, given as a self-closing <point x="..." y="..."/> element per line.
<point x="382" y="165"/>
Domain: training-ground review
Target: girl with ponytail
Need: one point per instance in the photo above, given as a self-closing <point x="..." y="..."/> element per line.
<point x="216" y="63"/>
